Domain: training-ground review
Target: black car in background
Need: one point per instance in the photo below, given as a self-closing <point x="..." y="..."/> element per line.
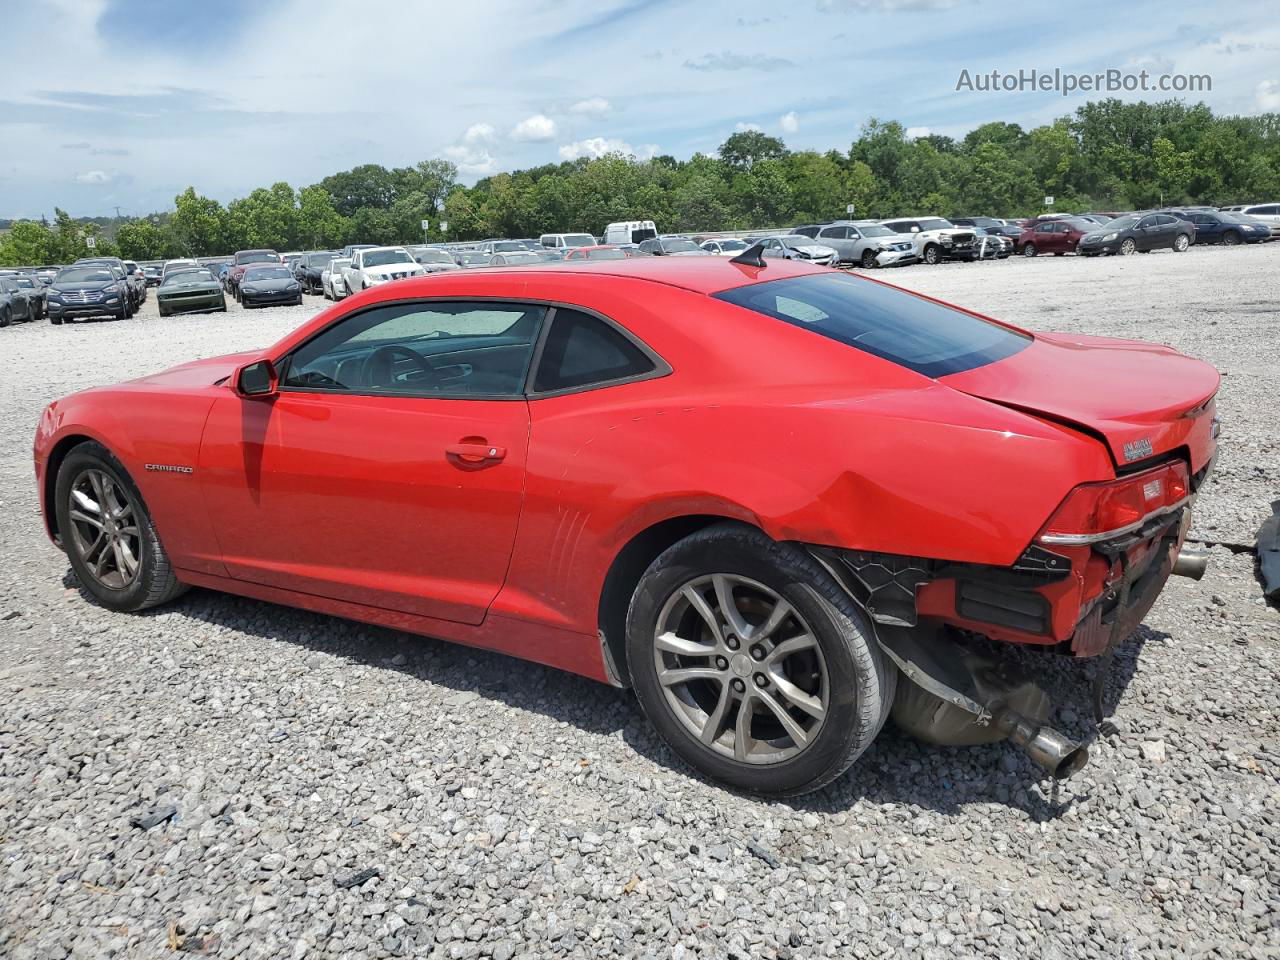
<point x="1212" y="226"/>
<point x="264" y="284"/>
<point x="35" y="290"/>
<point x="89" y="290"/>
<point x="154" y="274"/>
<point x="1138" y="233"/>
<point x="16" y="302"/>
<point x="308" y="269"/>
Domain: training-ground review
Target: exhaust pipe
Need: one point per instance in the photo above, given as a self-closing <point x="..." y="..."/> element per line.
<point x="1191" y="563"/>
<point x="1047" y="747"/>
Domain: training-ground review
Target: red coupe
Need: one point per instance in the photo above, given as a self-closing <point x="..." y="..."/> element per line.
<point x="777" y="500"/>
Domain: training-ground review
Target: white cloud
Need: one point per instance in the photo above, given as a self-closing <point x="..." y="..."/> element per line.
<point x="915" y="133"/>
<point x="599" y="146"/>
<point x="471" y="159"/>
<point x="742" y="127"/>
<point x="1267" y="93"/>
<point x="591" y="107"/>
<point x="535" y="128"/>
<point x="479" y="133"/>
<point x="93" y="176"/>
<point x="789" y="122"/>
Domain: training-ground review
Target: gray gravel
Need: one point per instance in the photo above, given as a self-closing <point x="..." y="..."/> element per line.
<point x="231" y="778"/>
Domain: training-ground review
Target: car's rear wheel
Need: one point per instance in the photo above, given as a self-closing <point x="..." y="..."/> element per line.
<point x="868" y="259"/>
<point x="1180" y="243"/>
<point x="753" y="664"/>
<point x="1128" y="247"/>
<point x="107" y="533"/>
<point x="1029" y="250"/>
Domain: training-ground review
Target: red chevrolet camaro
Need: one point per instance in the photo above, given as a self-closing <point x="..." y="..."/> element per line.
<point x="777" y="500"/>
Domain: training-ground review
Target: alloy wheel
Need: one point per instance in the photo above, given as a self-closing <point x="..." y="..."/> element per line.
<point x="741" y="669"/>
<point x="1128" y="247"/>
<point x="1181" y="243"/>
<point x="104" y="528"/>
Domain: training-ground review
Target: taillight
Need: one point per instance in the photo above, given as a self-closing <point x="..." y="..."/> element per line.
<point x="1099" y="511"/>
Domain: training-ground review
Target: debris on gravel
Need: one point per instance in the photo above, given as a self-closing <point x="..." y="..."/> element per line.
<point x="307" y="786"/>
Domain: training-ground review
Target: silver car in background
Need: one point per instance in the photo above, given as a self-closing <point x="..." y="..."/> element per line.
<point x="863" y="242"/>
<point x="796" y="246"/>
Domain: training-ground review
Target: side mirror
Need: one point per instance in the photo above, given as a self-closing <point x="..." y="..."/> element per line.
<point x="256" y="380"/>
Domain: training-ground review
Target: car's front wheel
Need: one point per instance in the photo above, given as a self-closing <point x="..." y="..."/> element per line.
<point x="1029" y="250"/>
<point x="868" y="259"/>
<point x="1231" y="238"/>
<point x="107" y="533"/>
<point x="1128" y="247"/>
<point x="754" y="664"/>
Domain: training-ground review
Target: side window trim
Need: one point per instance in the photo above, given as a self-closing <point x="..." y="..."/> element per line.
<point x="659" y="369"/>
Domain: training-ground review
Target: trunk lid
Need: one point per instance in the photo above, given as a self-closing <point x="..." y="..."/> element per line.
<point x="1141" y="399"/>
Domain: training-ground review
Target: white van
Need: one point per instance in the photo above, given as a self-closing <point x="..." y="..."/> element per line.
<point x="567" y="241"/>
<point x="630" y="231"/>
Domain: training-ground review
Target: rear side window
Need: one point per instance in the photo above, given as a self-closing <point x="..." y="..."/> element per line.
<point x="582" y="350"/>
<point x="923" y="336"/>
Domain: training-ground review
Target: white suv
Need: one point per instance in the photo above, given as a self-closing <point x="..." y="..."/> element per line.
<point x="371" y="266"/>
<point x="1268" y="213"/>
<point x="937" y="238"/>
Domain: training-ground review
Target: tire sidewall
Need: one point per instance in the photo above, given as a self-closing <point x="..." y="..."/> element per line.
<point x="845" y="730"/>
<point x="92" y="454"/>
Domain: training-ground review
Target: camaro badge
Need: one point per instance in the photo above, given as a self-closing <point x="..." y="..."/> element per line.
<point x="168" y="468"/>
<point x="1138" y="449"/>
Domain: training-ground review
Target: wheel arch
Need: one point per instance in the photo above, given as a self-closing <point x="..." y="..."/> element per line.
<point x="53" y="465"/>
<point x="628" y="566"/>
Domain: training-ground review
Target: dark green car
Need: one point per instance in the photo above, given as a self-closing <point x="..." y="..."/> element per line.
<point x="190" y="291"/>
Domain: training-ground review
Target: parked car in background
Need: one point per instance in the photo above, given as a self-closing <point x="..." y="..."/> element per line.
<point x="936" y="238"/>
<point x="332" y="284"/>
<point x="671" y="247"/>
<point x="722" y="247"/>
<point x="865" y="243"/>
<point x="433" y="259"/>
<point x="371" y="266"/>
<point x="36" y="290"/>
<point x="16" y="302"/>
<point x="1268" y="213"/>
<point x="992" y="245"/>
<point x="1138" y="233"/>
<point x="796" y="246"/>
<point x="515" y="258"/>
<point x="563" y="241"/>
<point x="990" y="223"/>
<point x="501" y="246"/>
<point x="1229" y="229"/>
<point x="602" y="252"/>
<point x="351" y="248"/>
<point x="244" y="259"/>
<point x="1058" y="237"/>
<point x="180" y="264"/>
<point x="471" y="259"/>
<point x="195" y="290"/>
<point x="309" y="269"/>
<point x="88" y="290"/>
<point x="268" y="284"/>
<point x="629" y="231"/>
<point x="138" y="279"/>
<point x="154" y="274"/>
<point x="135" y="288"/>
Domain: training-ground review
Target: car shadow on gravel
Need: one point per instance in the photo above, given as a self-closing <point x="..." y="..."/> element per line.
<point x="895" y="769"/>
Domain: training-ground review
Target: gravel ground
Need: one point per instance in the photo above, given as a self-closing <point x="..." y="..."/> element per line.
<point x="339" y="791"/>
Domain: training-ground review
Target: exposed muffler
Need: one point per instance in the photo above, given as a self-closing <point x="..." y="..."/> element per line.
<point x="1047" y="747"/>
<point x="1191" y="562"/>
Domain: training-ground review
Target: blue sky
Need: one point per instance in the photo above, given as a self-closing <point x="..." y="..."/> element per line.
<point x="146" y="97"/>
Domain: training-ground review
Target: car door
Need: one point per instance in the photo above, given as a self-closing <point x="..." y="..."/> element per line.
<point x="1044" y="237"/>
<point x="389" y="468"/>
<point x="1146" y="235"/>
<point x="838" y="239"/>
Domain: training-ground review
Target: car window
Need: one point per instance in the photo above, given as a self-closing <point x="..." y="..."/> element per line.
<point x="439" y="349"/>
<point x="919" y="334"/>
<point x="582" y="350"/>
<point x="1045" y="228"/>
<point x="809" y="232"/>
<point x="1147" y="222"/>
<point x="834" y="233"/>
<point x="1268" y="211"/>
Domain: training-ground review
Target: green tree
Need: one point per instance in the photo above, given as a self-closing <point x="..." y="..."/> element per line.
<point x="1173" y="170"/>
<point x="144" y="240"/>
<point x="745" y="149"/>
<point x="319" y="225"/>
<point x="28" y="244"/>
<point x="199" y="225"/>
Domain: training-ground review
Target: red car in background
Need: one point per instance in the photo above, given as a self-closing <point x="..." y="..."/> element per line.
<point x="1058" y="236"/>
<point x="779" y="501"/>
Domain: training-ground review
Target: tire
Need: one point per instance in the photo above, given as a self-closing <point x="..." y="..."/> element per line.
<point x="1029" y="250"/>
<point x="1128" y="247"/>
<point x="151" y="581"/>
<point x="1231" y="238"/>
<point x="857" y="682"/>
<point x="163" y="312"/>
<point x="56" y="321"/>
<point x="124" y="312"/>
<point x="868" y="260"/>
<point x="1180" y="243"/>
<point x="5" y="319"/>
<point x="931" y="254"/>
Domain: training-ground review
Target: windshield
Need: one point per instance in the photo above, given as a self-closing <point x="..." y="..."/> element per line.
<point x="502" y="246"/>
<point x="1080" y="223"/>
<point x="875" y="230"/>
<point x="257" y="256"/>
<point x="338" y="263"/>
<point x="319" y="259"/>
<point x="679" y="246"/>
<point x="1122" y="223"/>
<point x="579" y="240"/>
<point x="85" y="275"/>
<point x="927" y="337"/>
<point x="732" y="245"/>
<point x="514" y="256"/>
<point x="268" y="273"/>
<point x="200" y="275"/>
<point x="471" y="256"/>
<point x="800" y="240"/>
<point x="935" y="223"/>
<point x="433" y="256"/>
<point x="383" y="258"/>
<point x="605" y="254"/>
<point x="24" y="281"/>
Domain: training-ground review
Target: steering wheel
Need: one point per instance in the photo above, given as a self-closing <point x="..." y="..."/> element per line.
<point x="379" y="365"/>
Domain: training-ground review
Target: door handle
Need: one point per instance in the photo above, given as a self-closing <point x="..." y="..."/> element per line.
<point x="476" y="452"/>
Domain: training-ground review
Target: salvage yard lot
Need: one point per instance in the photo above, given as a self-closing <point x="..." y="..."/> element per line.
<point x="510" y="810"/>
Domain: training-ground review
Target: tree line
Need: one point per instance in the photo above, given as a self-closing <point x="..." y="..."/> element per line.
<point x="1107" y="155"/>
